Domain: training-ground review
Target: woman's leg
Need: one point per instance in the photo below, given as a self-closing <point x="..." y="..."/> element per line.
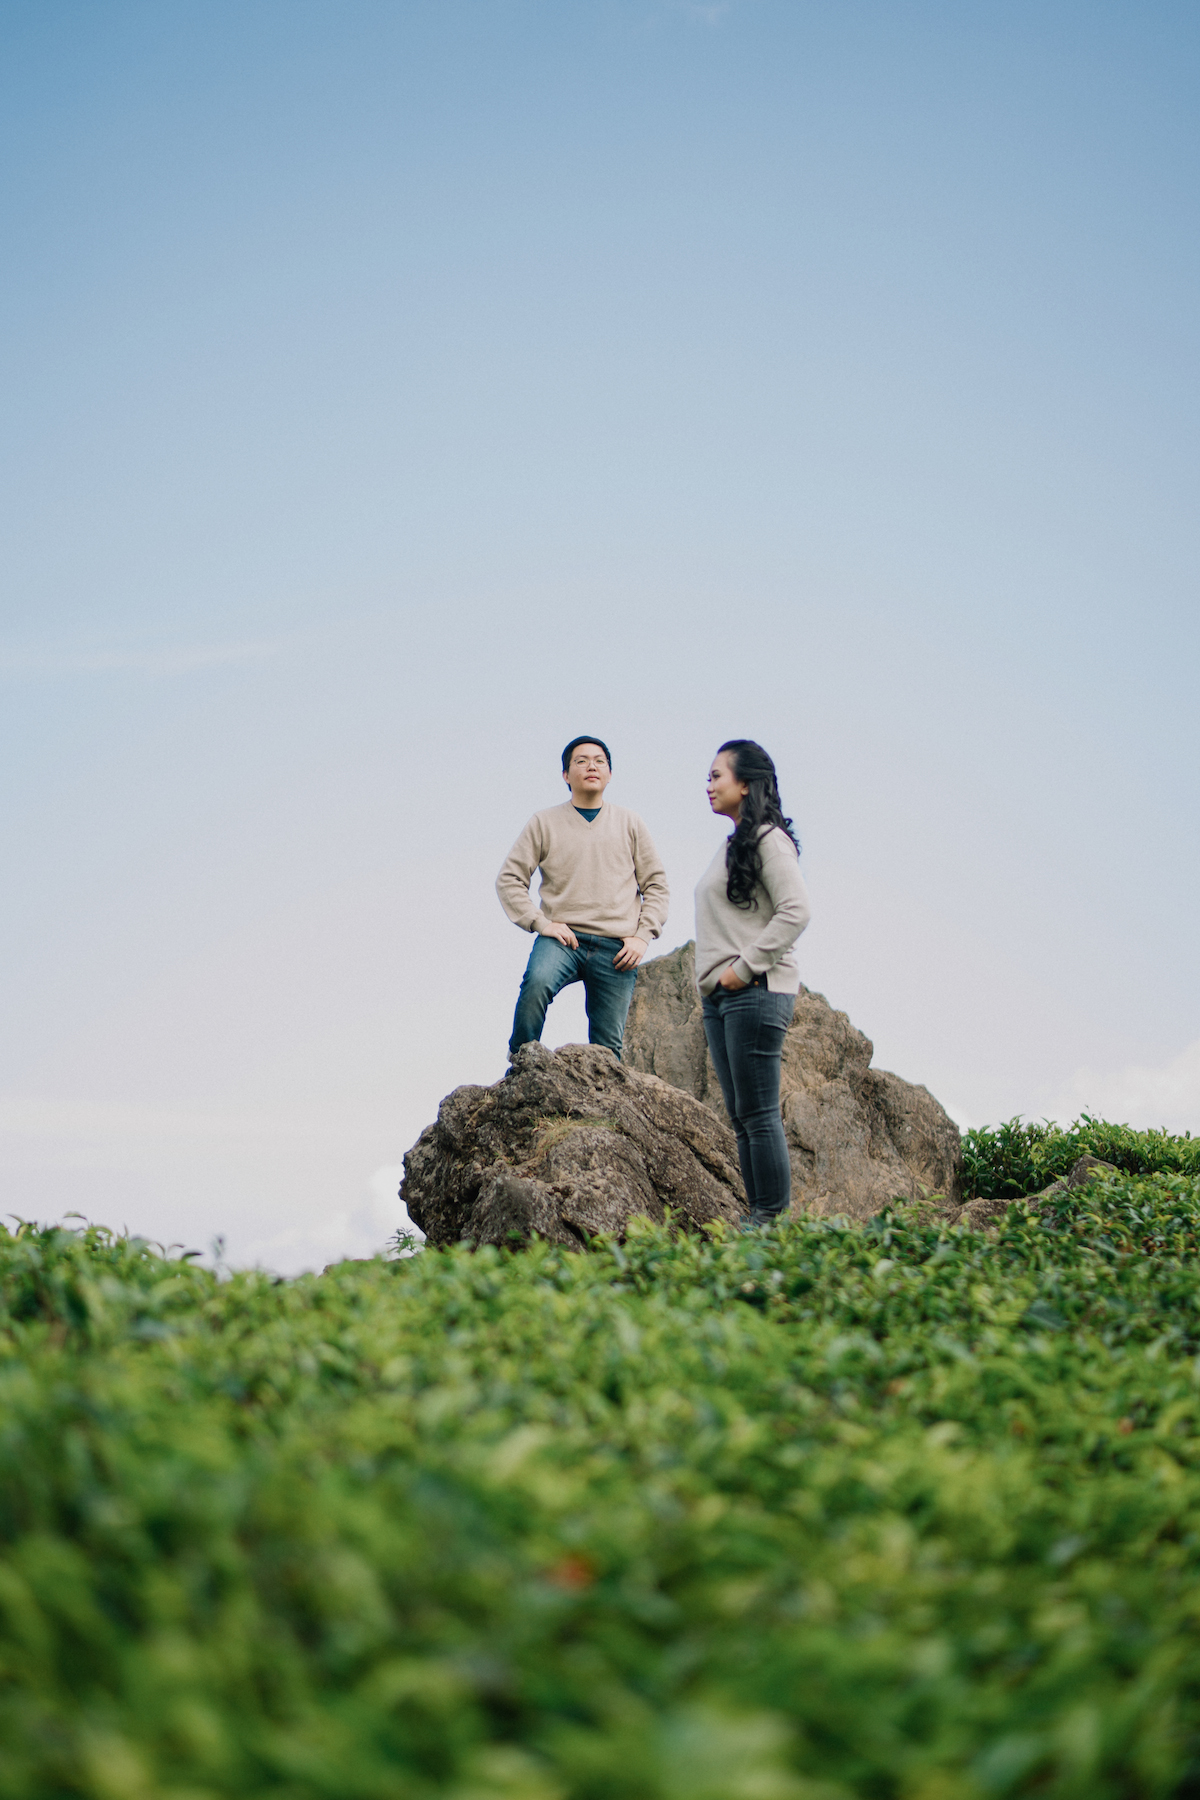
<point x="714" y="1030"/>
<point x="755" y="1023"/>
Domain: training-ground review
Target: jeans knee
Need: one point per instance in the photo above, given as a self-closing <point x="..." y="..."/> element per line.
<point x="763" y="1122"/>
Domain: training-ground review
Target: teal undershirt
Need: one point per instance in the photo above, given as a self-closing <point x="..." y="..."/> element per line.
<point x="589" y="812"/>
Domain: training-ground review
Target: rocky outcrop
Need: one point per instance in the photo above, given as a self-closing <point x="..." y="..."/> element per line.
<point x="983" y="1214"/>
<point x="571" y="1143"/>
<point x="858" y="1137"/>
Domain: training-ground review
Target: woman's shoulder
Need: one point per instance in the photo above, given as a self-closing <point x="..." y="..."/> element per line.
<point x="773" y="840"/>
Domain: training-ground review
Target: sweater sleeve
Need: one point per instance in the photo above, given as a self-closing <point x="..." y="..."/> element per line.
<point x="512" y="883"/>
<point x="652" y="885"/>
<point x="789" y="909"/>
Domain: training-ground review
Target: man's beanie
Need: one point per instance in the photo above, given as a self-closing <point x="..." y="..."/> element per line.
<point x="574" y="745"/>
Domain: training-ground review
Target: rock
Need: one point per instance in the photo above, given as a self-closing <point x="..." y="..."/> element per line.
<point x="1080" y="1173"/>
<point x="858" y="1137"/>
<point x="984" y="1213"/>
<point x="571" y="1143"/>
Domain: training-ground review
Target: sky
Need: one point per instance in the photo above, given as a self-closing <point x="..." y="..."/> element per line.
<point x="390" y="392"/>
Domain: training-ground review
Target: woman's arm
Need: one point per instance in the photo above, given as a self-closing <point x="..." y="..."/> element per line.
<point x="786" y="910"/>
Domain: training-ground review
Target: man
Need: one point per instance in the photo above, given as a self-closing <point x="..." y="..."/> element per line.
<point x="603" y="897"/>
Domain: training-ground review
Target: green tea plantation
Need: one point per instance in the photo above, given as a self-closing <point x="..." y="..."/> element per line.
<point x="901" y="1511"/>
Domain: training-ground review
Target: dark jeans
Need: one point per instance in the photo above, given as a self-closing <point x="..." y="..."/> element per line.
<point x="745" y="1032"/>
<point x="552" y="967"/>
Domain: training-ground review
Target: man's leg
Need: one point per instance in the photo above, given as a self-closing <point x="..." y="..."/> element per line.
<point x="607" y="992"/>
<point x="550" y="968"/>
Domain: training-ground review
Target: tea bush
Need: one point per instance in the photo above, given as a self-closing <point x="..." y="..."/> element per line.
<point x="1016" y="1159"/>
<point x="909" y="1512"/>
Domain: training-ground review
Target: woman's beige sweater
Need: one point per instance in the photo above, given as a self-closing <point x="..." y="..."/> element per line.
<point x="604" y="877"/>
<point x="758" y="941"/>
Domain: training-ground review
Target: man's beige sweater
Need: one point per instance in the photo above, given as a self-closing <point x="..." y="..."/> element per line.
<point x="604" y="877"/>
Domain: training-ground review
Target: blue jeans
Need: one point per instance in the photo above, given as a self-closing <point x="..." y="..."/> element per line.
<point x="745" y="1032"/>
<point x="552" y="967"/>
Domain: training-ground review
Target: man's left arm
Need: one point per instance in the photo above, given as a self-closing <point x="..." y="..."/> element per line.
<point x="656" y="897"/>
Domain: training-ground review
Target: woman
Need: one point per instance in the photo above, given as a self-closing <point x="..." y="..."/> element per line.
<point x="751" y="906"/>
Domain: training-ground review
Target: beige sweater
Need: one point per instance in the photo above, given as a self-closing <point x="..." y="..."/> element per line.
<point x="604" y="878"/>
<point x="759" y="941"/>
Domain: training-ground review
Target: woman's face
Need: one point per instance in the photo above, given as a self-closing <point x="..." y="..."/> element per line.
<point x="725" y="791"/>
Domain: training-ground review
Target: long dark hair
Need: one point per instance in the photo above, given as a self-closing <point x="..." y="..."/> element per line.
<point x="761" y="806"/>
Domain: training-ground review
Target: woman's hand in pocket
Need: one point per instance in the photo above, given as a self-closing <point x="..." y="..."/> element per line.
<point x="730" y="981"/>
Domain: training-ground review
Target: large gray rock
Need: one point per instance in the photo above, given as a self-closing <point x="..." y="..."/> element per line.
<point x="569" y="1144"/>
<point x="985" y="1215"/>
<point x="857" y="1136"/>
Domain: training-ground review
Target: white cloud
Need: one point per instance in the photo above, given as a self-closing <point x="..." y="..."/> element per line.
<point x="274" y="1189"/>
<point x="1167" y="1096"/>
<point x="364" y="1230"/>
<point x="962" y="1116"/>
<point x="390" y="1211"/>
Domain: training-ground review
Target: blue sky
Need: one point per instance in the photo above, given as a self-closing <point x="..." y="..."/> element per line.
<point x="393" y="391"/>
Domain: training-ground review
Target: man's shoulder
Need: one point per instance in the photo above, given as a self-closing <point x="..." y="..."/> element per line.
<point x="624" y="819"/>
<point x="548" y="815"/>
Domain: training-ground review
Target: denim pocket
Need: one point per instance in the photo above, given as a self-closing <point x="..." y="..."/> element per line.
<point x="772" y="1016"/>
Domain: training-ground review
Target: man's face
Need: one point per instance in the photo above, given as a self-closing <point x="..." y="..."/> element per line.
<point x="587" y="774"/>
